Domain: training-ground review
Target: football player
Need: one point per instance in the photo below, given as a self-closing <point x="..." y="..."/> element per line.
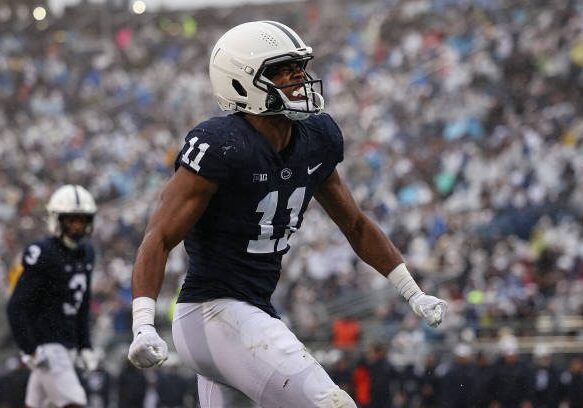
<point x="241" y="186"/>
<point x="49" y="308"/>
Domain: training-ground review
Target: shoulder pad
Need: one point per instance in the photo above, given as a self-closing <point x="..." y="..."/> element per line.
<point x="214" y="147"/>
<point x="327" y="132"/>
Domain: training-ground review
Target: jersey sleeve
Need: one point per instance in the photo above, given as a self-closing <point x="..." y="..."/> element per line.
<point x="332" y="141"/>
<point x="337" y="141"/>
<point x="23" y="302"/>
<point x="203" y="154"/>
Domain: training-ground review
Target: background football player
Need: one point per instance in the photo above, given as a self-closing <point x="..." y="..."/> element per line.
<point x="49" y="308"/>
<point x="239" y="193"/>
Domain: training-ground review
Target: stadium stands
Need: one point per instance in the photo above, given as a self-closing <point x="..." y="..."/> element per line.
<point x="463" y="126"/>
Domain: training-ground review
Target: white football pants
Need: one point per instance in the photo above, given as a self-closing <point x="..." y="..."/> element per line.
<point x="55" y="384"/>
<point x="246" y="358"/>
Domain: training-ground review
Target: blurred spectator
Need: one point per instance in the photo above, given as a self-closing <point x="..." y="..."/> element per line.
<point x="171" y="387"/>
<point x="546" y="378"/>
<point x="132" y="386"/>
<point x="572" y="383"/>
<point x="341" y="374"/>
<point x="483" y="381"/>
<point x="345" y="333"/>
<point x="98" y="386"/>
<point x="429" y="384"/>
<point x="511" y="384"/>
<point x="409" y="390"/>
<point x="372" y="378"/>
<point x="457" y="388"/>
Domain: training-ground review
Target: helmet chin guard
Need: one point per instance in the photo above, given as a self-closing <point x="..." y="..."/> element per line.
<point x="311" y="102"/>
<point x="239" y="63"/>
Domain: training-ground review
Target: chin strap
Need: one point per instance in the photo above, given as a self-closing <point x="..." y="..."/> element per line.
<point x="69" y="242"/>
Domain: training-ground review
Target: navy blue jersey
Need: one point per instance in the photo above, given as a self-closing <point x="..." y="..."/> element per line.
<point x="50" y="303"/>
<point x="236" y="247"/>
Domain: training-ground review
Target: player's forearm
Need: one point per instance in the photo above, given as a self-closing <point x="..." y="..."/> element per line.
<point x="378" y="251"/>
<point x="372" y="246"/>
<point x="149" y="266"/>
<point x="147" y="279"/>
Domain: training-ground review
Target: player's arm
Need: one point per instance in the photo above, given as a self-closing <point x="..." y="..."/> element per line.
<point x="24" y="300"/>
<point x="182" y="202"/>
<point x="374" y="248"/>
<point x="365" y="237"/>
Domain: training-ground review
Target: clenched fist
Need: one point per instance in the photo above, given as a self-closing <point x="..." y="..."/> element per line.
<point x="148" y="348"/>
<point x="430" y="308"/>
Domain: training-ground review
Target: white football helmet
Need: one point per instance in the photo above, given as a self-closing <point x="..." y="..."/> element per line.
<point x="70" y="199"/>
<point x="239" y="62"/>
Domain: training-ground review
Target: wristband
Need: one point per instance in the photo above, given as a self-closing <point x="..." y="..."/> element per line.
<point x="143" y="311"/>
<point x="403" y="281"/>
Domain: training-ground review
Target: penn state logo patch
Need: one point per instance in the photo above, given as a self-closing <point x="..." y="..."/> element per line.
<point x="286" y="173"/>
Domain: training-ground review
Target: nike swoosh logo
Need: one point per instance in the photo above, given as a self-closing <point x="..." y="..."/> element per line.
<point x="313" y="169"/>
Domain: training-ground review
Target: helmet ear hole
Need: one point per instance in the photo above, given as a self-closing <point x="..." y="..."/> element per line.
<point x="273" y="101"/>
<point x="239" y="88"/>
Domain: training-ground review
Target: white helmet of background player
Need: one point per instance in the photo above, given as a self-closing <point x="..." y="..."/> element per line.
<point x="70" y="200"/>
<point x="239" y="63"/>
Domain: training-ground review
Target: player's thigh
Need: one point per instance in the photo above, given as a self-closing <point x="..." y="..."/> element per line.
<point x="59" y="381"/>
<point x="212" y="394"/>
<point x="234" y="343"/>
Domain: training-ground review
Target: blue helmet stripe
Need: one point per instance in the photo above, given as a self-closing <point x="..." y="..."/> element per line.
<point x="77" y="199"/>
<point x="286" y="32"/>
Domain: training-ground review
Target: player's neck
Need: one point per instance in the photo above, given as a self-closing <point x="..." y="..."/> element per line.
<point x="277" y="129"/>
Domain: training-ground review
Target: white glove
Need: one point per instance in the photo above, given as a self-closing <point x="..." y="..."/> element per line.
<point x="38" y="359"/>
<point x="430" y="308"/>
<point x="89" y="359"/>
<point x="147" y="349"/>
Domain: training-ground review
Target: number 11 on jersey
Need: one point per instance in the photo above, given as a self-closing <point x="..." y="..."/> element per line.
<point x="265" y="243"/>
<point x="195" y="164"/>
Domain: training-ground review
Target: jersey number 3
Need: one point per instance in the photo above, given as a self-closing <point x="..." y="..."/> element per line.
<point x="78" y="283"/>
<point x="265" y="242"/>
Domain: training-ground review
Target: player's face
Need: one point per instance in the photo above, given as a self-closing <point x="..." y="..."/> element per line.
<point x="75" y="225"/>
<point x="286" y="74"/>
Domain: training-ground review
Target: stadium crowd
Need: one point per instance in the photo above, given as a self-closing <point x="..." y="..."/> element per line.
<point x="463" y="127"/>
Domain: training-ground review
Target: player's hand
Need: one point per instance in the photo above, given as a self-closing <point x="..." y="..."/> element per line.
<point x="89" y="359"/>
<point x="430" y="308"/>
<point x="28" y="360"/>
<point x="147" y="349"/>
<point x="38" y="359"/>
